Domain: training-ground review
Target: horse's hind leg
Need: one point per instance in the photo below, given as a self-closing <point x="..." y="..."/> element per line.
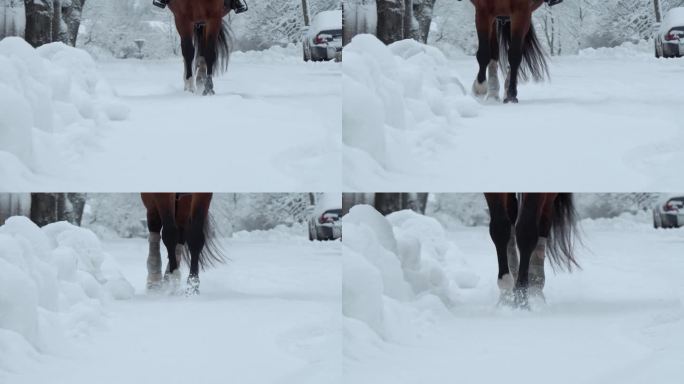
<point x="520" y="25"/>
<point x="154" y="263"/>
<point x="196" y="240"/>
<point x="527" y="236"/>
<point x="493" y="67"/>
<point x="537" y="275"/>
<point x="500" y="232"/>
<point x="188" y="49"/>
<point x="210" y="39"/>
<point x="484" y="24"/>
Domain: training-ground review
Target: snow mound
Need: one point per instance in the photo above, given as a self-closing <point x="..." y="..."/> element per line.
<point x="392" y="265"/>
<point x="627" y="50"/>
<point x="628" y="221"/>
<point x="53" y="284"/>
<point x="51" y="99"/>
<point x="291" y="53"/>
<point x="397" y="98"/>
<point x="296" y="232"/>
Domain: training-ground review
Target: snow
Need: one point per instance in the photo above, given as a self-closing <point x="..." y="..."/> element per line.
<point x="619" y="319"/>
<point x="54" y="284"/>
<point x="52" y="102"/>
<point x="270" y="315"/>
<point x="327" y="20"/>
<point x="673" y="18"/>
<point x="274" y="124"/>
<point x="407" y="121"/>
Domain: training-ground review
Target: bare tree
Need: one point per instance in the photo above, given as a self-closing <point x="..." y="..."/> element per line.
<point x="52" y="20"/>
<point x="305" y="11"/>
<point x="390" y="20"/>
<point x="422" y="11"/>
<point x="49" y="208"/>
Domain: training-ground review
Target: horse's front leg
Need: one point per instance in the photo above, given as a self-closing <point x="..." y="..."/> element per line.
<point x="519" y="27"/>
<point x="484" y="24"/>
<point x="185" y="30"/>
<point x="210" y="54"/>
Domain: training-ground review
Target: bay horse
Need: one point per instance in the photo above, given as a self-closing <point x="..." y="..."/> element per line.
<point x="205" y="39"/>
<point x="533" y="224"/>
<point x="177" y="219"/>
<point x="518" y="41"/>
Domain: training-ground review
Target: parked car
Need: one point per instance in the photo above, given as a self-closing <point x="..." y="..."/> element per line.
<point x="326" y="223"/>
<point x="669" y="38"/>
<point x="322" y="40"/>
<point x="669" y="214"/>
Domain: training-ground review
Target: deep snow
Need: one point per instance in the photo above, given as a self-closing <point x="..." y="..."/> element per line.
<point x="605" y="122"/>
<point x="271" y="315"/>
<point x="274" y="124"/>
<point x="619" y="319"/>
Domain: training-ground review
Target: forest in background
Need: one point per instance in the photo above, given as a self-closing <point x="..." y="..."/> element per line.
<point x="563" y="29"/>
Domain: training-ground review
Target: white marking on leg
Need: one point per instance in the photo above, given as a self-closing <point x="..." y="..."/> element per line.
<point x="493" y="80"/>
<point x="536" y="270"/>
<point x="154" y="263"/>
<point x="479" y="89"/>
<point x="512" y="252"/>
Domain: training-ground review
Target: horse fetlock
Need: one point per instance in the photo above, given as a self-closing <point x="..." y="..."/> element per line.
<point x="505" y="282"/>
<point x="171" y="281"/>
<point x="193" y="284"/>
<point x="190" y="85"/>
<point x="479" y="89"/>
<point x="208" y="86"/>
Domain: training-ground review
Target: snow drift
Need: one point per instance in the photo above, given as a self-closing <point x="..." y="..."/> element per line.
<point x="394" y="265"/>
<point x="52" y="103"/>
<point x="53" y="284"/>
<point x="395" y="97"/>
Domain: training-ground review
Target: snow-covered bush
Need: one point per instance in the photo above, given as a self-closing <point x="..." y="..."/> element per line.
<point x="390" y="90"/>
<point x="393" y="262"/>
<point x="53" y="283"/>
<point x="51" y="99"/>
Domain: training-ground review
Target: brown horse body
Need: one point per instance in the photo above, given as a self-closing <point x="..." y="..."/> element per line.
<point x="518" y="40"/>
<point x="531" y="226"/>
<point x="177" y="220"/>
<point x="204" y="39"/>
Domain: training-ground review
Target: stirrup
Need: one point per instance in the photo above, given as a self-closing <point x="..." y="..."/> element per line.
<point x="239" y="6"/>
<point x="554" y="2"/>
<point x="160" y="3"/>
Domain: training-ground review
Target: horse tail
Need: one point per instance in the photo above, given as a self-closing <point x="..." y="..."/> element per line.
<point x="533" y="56"/>
<point x="223" y="45"/>
<point x="563" y="236"/>
<point x="212" y="253"/>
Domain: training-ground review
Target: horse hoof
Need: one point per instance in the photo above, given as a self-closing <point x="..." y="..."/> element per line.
<point x="208" y="92"/>
<point x="510" y="99"/>
<point x="479" y="89"/>
<point x="520" y="298"/>
<point x="193" y="286"/>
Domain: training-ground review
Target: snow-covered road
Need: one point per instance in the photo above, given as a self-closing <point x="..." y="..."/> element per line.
<point x="271" y="315"/>
<point x="619" y="320"/>
<point x="607" y="121"/>
<point x="273" y="125"/>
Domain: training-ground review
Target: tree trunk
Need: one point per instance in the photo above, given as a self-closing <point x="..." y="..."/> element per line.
<point x="71" y="16"/>
<point x="44" y="208"/>
<point x="658" y="15"/>
<point x="49" y="208"/>
<point x="390" y="20"/>
<point x="39" y="18"/>
<point x="422" y="11"/>
<point x="387" y="203"/>
<point x="305" y="11"/>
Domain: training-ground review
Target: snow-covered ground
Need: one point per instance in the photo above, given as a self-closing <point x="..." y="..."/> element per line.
<point x="620" y="319"/>
<point x="270" y="315"/>
<point x="605" y="122"/>
<point x="273" y="125"/>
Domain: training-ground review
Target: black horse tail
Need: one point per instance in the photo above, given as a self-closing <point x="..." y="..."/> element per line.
<point x="212" y="253"/>
<point x="223" y="45"/>
<point x="533" y="56"/>
<point x="563" y="236"/>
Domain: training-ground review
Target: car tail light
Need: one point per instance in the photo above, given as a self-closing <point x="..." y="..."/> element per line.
<point x="671" y="36"/>
<point x="325" y="219"/>
<point x="320" y="40"/>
